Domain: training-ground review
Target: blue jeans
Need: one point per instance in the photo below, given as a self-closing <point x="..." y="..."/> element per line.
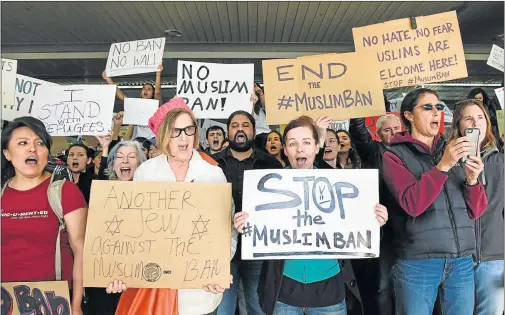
<point x="284" y="309"/>
<point x="489" y="288"/>
<point x="416" y="285"/>
<point x="248" y="272"/>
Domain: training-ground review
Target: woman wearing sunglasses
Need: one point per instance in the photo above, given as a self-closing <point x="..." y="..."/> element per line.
<point x="437" y="200"/>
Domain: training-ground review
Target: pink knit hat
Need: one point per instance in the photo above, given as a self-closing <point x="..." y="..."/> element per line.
<point x="157" y="119"/>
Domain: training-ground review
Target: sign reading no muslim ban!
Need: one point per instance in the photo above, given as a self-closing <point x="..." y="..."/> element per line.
<point x="158" y="235"/>
<point x="214" y="90"/>
<point x="9" y="70"/>
<point x="310" y="214"/>
<point x="432" y="52"/>
<point x="25" y="94"/>
<point x="19" y="298"/>
<point x="138" y="56"/>
<point x="495" y="58"/>
<point x="75" y="109"/>
<point x="137" y="111"/>
<point x="324" y="85"/>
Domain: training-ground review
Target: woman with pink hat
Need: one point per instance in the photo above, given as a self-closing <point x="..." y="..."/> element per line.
<point x="175" y="127"/>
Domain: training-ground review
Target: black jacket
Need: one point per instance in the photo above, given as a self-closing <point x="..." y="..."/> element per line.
<point x="489" y="227"/>
<point x="261" y="161"/>
<point x="271" y="279"/>
<point x="369" y="150"/>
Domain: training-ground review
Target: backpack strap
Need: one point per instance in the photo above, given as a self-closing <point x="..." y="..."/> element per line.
<point x="4" y="186"/>
<point x="54" y="197"/>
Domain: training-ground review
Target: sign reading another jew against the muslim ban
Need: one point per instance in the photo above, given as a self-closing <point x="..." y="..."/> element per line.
<point x="26" y="91"/>
<point x="215" y="90"/>
<point x="9" y="70"/>
<point x="432" y="52"/>
<point x="75" y="109"/>
<point x="138" y="56"/>
<point x="20" y="298"/>
<point x="310" y="214"/>
<point x="158" y="235"/>
<point x="324" y="85"/>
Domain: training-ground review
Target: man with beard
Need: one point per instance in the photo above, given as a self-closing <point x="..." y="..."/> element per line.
<point x="215" y="138"/>
<point x="239" y="156"/>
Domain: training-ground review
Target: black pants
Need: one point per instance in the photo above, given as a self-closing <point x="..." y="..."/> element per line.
<point x="98" y="302"/>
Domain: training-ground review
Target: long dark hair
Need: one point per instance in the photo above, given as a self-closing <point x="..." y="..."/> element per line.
<point x="154" y="92"/>
<point x="353" y="153"/>
<point x="258" y="106"/>
<point x="283" y="156"/>
<point x="475" y="91"/>
<point x="36" y="126"/>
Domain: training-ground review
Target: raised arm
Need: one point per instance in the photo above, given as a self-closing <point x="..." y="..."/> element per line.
<point x="157" y="86"/>
<point x="119" y="94"/>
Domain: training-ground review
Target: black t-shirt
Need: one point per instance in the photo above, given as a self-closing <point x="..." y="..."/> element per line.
<point x="317" y="294"/>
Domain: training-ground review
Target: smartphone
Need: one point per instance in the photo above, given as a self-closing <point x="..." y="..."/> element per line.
<point x="473" y="134"/>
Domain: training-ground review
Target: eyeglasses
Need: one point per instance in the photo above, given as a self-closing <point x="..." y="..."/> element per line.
<point x="428" y="107"/>
<point x="189" y="131"/>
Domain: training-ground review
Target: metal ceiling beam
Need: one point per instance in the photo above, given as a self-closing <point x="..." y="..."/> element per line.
<point x="190" y="51"/>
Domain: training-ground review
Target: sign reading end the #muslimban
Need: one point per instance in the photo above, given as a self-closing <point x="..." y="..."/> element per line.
<point x="306" y="214"/>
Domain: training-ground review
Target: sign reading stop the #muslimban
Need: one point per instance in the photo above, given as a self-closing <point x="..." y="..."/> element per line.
<point x="306" y="214"/>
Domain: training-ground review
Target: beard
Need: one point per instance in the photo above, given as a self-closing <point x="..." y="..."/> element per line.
<point x="241" y="146"/>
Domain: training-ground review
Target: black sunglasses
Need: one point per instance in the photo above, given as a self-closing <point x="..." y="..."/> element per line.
<point x="428" y="107"/>
<point x="189" y="131"/>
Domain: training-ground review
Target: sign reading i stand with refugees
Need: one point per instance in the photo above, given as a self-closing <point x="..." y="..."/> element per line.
<point x="215" y="90"/>
<point x="323" y="85"/>
<point x="158" y="234"/>
<point x="138" y="56"/>
<point x="20" y="298"/>
<point x="25" y="95"/>
<point x="75" y="109"/>
<point x="9" y="70"/>
<point x="302" y="214"/>
<point x="432" y="52"/>
<point x="495" y="58"/>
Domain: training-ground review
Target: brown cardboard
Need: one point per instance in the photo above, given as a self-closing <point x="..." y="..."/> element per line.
<point x="158" y="235"/>
<point x="334" y="85"/>
<point x="50" y="297"/>
<point x="402" y="52"/>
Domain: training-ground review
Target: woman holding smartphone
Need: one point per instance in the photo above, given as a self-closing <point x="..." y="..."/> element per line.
<point x="472" y="118"/>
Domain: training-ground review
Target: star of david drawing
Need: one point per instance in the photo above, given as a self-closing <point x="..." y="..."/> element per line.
<point x="200" y="223"/>
<point x="113" y="226"/>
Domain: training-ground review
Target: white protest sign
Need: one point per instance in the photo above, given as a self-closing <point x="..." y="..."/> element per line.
<point x="314" y="213"/>
<point x="495" y="58"/>
<point x="340" y="125"/>
<point x="9" y="70"/>
<point x="215" y="90"/>
<point x="71" y="110"/>
<point x="137" y="111"/>
<point x="138" y="56"/>
<point x="207" y="123"/>
<point x="500" y="95"/>
<point x="26" y="91"/>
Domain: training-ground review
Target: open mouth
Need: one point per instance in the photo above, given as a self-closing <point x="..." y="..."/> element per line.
<point x="435" y="124"/>
<point x="31" y="161"/>
<point x="75" y="164"/>
<point x="240" y="138"/>
<point x="125" y="171"/>
<point x="301" y="161"/>
<point x="273" y="148"/>
<point x="215" y="142"/>
<point x="328" y="150"/>
<point x="183" y="147"/>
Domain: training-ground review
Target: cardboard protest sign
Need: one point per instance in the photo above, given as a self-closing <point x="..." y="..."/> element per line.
<point x="19" y="298"/>
<point x="324" y="85"/>
<point x="137" y="111"/>
<point x="371" y="124"/>
<point x="215" y="90"/>
<point x="207" y="123"/>
<point x="500" y="118"/>
<point x="432" y="52"/>
<point x="9" y="70"/>
<point x="158" y="235"/>
<point x="500" y="95"/>
<point x="138" y="56"/>
<point x="495" y="58"/>
<point x="75" y="109"/>
<point x="314" y="213"/>
<point x="25" y="95"/>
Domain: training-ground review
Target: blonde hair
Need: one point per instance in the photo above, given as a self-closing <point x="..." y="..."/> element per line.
<point x="381" y="120"/>
<point x="166" y="129"/>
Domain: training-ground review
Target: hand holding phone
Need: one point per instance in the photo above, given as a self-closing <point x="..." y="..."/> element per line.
<point x="473" y="134"/>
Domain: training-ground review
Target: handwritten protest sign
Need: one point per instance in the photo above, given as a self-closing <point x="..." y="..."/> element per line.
<point x="324" y="85"/>
<point x="215" y="90"/>
<point x="138" y="56"/>
<point x="19" y="298"/>
<point x="501" y="128"/>
<point x="495" y="58"/>
<point x="340" y="125"/>
<point x="158" y="235"/>
<point x="75" y="109"/>
<point x="137" y="111"/>
<point x="310" y="214"/>
<point x="9" y="70"/>
<point x="500" y="95"/>
<point x="25" y="94"/>
<point x="432" y="52"/>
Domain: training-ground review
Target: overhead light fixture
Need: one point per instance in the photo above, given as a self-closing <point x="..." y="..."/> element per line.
<point x="172" y="33"/>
